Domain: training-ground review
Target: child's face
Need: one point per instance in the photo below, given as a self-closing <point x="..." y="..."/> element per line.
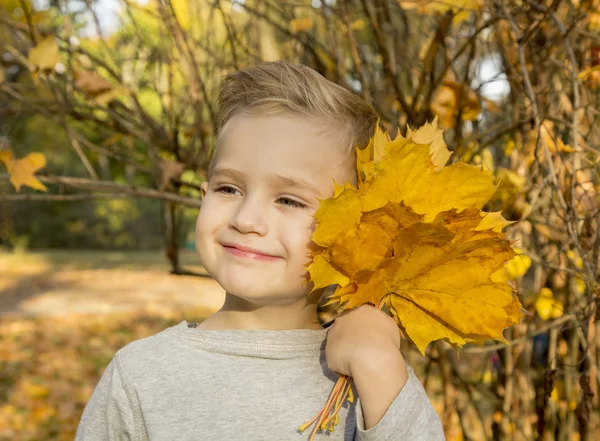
<point x="252" y="201"/>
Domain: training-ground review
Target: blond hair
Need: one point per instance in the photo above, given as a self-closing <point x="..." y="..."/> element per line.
<point x="282" y="87"/>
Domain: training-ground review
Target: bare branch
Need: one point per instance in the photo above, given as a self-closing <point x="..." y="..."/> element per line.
<point x="115" y="189"/>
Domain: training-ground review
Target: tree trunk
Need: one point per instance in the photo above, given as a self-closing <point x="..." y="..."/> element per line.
<point x="172" y="236"/>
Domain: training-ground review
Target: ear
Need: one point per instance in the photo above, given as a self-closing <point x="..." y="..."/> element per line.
<point x="203" y="188"/>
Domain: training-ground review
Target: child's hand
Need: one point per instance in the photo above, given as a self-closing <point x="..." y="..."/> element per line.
<point x="364" y="343"/>
<point x="361" y="335"/>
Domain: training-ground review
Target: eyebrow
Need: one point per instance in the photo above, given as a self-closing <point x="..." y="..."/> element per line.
<point x="276" y="179"/>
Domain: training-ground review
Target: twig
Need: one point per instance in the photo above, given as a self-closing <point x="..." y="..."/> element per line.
<point x="311" y="44"/>
<point x="388" y="68"/>
<point x="508" y="391"/>
<point x="467" y="388"/>
<point x="27" y="11"/>
<point x="366" y="93"/>
<point x="450" y="395"/>
<point x="131" y="190"/>
<point x="538" y="124"/>
<point x="471" y="41"/>
<point x="550" y="409"/>
<point x="60" y="197"/>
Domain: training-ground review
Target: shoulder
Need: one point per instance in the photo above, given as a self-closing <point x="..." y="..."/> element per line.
<point x="151" y="352"/>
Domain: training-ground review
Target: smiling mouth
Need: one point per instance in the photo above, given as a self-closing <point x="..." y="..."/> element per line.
<point x="248" y="254"/>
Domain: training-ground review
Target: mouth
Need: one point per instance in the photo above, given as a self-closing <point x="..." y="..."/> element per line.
<point x="247" y="253"/>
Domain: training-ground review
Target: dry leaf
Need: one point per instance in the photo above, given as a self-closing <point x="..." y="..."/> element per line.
<point x="45" y="56"/>
<point x="443" y="105"/>
<point x="91" y="83"/>
<point x="169" y="169"/>
<point x="412" y="233"/>
<point x="22" y="170"/>
<point x="446" y="99"/>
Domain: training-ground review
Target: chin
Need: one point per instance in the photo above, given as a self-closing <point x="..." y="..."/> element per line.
<point x="262" y="295"/>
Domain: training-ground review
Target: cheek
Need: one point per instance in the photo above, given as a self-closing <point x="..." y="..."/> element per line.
<point x="208" y="220"/>
<point x="199" y="233"/>
<point x="298" y="238"/>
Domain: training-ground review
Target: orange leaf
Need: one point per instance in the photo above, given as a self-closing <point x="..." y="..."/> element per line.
<point x="22" y="170"/>
<point x="412" y="234"/>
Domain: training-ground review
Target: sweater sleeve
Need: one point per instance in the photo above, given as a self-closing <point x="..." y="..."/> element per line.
<point x="410" y="417"/>
<point x="110" y="414"/>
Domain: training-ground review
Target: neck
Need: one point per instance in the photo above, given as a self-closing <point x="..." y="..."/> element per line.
<point x="238" y="313"/>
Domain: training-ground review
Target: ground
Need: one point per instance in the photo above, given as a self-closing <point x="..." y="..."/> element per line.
<point x="66" y="282"/>
<point x="63" y="315"/>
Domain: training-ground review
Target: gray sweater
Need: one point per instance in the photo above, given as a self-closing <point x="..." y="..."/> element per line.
<point x="190" y="384"/>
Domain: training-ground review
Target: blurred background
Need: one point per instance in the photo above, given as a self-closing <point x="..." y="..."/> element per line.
<point x="106" y="129"/>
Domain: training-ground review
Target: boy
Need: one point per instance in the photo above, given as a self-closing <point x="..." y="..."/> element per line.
<point x="263" y="365"/>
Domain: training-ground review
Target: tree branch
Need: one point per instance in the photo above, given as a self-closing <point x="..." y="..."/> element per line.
<point x="115" y="189"/>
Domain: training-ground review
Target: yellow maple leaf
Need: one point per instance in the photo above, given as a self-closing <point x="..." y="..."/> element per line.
<point x="45" y="56"/>
<point x="431" y="135"/>
<point x="407" y="173"/>
<point x="413" y="235"/>
<point x="22" y="170"/>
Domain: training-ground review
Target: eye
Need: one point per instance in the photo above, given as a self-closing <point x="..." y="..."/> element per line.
<point x="291" y="203"/>
<point x="227" y="189"/>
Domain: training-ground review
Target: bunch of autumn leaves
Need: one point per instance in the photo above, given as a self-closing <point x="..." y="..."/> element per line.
<point x="413" y="236"/>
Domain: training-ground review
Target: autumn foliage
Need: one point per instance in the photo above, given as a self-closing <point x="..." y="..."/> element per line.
<point x="513" y="84"/>
<point x="22" y="170"/>
<point x="413" y="235"/>
<point x="52" y="365"/>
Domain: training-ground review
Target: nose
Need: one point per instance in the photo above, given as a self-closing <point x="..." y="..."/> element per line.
<point x="250" y="218"/>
